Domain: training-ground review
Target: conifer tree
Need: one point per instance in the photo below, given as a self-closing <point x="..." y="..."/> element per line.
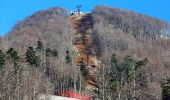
<point x="39" y="45"/>
<point x="16" y="67"/>
<point x="55" y="53"/>
<point x="113" y="61"/>
<point x="48" y="52"/>
<point x="124" y="74"/>
<point x="114" y="67"/>
<point x="166" y="90"/>
<point x="31" y="57"/>
<point x="83" y="69"/>
<point x="2" y="59"/>
<point x="67" y="51"/>
<point x="13" y="54"/>
<point x="68" y="58"/>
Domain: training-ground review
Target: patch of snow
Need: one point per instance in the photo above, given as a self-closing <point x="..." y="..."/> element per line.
<point x="53" y="97"/>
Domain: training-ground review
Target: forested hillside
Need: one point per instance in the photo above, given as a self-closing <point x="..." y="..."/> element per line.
<point x="111" y="38"/>
<point x="133" y="23"/>
<point x="109" y="54"/>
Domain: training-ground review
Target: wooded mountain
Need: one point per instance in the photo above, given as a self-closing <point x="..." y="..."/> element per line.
<point x="130" y="22"/>
<point x="132" y="37"/>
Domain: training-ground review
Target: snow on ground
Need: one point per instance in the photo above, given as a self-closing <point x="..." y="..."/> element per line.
<point x="53" y="97"/>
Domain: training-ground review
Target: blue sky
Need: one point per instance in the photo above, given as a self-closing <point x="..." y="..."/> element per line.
<point x="12" y="11"/>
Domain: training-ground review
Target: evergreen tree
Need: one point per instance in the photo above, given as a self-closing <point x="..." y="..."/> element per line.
<point x="83" y="69"/>
<point x="13" y="54"/>
<point x="16" y="67"/>
<point x="139" y="64"/>
<point x="128" y="67"/>
<point x="114" y="72"/>
<point x="124" y="73"/>
<point x="55" y="53"/>
<point x="166" y="90"/>
<point x="2" y="59"/>
<point x="67" y="51"/>
<point x="39" y="45"/>
<point x="113" y="60"/>
<point x="31" y="57"/>
<point x="48" y="52"/>
<point x="68" y="58"/>
<point x="114" y="63"/>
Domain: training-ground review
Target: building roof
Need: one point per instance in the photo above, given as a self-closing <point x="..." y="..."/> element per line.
<point x="72" y="94"/>
<point x="54" y="97"/>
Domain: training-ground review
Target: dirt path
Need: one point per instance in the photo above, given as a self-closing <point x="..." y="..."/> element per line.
<point x="84" y="44"/>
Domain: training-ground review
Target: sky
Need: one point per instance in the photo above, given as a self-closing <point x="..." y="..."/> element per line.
<point x="13" y="11"/>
